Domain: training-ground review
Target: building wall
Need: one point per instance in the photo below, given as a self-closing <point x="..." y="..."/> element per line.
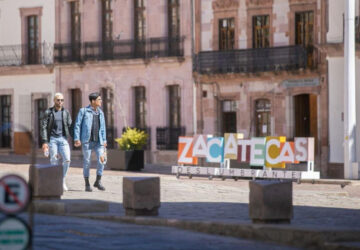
<point x="10" y="20"/>
<point x="336" y="11"/>
<point x="246" y="88"/>
<point x="335" y="58"/>
<point x="25" y="83"/>
<point x="155" y="74"/>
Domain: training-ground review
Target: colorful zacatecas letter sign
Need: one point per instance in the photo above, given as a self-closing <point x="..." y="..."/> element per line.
<point x="270" y="151"/>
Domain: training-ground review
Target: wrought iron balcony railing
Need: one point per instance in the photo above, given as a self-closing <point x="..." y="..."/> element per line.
<point x="26" y="54"/>
<point x="252" y="60"/>
<point x="167" y="137"/>
<point x="116" y="50"/>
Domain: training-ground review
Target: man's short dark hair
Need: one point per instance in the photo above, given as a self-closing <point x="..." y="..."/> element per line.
<point x="94" y="96"/>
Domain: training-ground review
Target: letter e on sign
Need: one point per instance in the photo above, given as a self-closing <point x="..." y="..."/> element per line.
<point x="14" y="194"/>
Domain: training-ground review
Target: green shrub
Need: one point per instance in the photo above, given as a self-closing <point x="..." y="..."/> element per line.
<point x="132" y="139"/>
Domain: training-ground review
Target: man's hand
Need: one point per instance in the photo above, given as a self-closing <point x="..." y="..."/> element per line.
<point x="77" y="143"/>
<point x="45" y="147"/>
<point x="105" y="144"/>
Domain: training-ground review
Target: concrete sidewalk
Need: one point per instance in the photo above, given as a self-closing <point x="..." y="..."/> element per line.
<point x="324" y="214"/>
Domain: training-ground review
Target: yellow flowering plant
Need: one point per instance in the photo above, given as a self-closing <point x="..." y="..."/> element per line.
<point x="132" y="139"/>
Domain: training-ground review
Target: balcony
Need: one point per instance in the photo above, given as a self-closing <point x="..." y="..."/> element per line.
<point x="118" y="50"/>
<point x="254" y="60"/>
<point x="25" y="54"/>
<point x="167" y="138"/>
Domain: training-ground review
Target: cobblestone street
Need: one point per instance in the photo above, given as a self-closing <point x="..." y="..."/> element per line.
<point x="316" y="206"/>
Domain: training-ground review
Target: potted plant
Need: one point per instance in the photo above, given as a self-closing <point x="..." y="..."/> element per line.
<point x="131" y="153"/>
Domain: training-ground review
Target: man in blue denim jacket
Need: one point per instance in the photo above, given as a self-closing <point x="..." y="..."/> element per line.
<point x="90" y="132"/>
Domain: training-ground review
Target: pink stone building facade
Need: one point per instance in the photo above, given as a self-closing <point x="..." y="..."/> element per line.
<point x="260" y="70"/>
<point x="138" y="55"/>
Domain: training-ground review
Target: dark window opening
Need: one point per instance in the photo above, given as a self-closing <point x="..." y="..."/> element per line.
<point x="261" y="31"/>
<point x="226" y="34"/>
<point x="5" y="121"/>
<point x="75" y="29"/>
<point x="75" y="95"/>
<point x="32" y="40"/>
<point x="140" y="108"/>
<point x="304" y="33"/>
<point x="173" y="25"/>
<point x="139" y="30"/>
<point x="41" y="106"/>
<point x="107" y="26"/>
<point x="107" y="95"/>
<point x="174" y="106"/>
<point x="263" y="118"/>
<point x="229" y="116"/>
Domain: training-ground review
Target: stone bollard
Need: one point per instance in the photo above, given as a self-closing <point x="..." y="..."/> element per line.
<point x="270" y="201"/>
<point x="46" y="181"/>
<point x="141" y="195"/>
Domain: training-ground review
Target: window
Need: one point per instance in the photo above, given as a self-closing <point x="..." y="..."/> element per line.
<point x="304" y="33"/>
<point x="226" y="34"/>
<point x="140" y="111"/>
<point x="173" y="18"/>
<point x="75" y="96"/>
<point x="5" y="121"/>
<point x="139" y="28"/>
<point x="107" y="95"/>
<point x="173" y="26"/>
<point x="41" y="106"/>
<point x="229" y="116"/>
<point x="262" y="117"/>
<point x="261" y="31"/>
<point x="174" y="106"/>
<point x="107" y="44"/>
<point x="139" y="20"/>
<point x="75" y="29"/>
<point x="32" y="40"/>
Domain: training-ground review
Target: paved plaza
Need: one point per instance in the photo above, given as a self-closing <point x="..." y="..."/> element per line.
<point x="333" y="208"/>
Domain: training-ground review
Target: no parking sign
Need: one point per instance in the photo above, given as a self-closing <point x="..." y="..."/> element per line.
<point x="14" y="194"/>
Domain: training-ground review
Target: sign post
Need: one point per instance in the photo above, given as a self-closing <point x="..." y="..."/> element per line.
<point x="15" y="197"/>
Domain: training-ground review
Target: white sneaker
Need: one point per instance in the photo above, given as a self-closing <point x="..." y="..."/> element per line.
<point x="65" y="188"/>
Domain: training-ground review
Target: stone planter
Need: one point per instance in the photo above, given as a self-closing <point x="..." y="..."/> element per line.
<point x="125" y="160"/>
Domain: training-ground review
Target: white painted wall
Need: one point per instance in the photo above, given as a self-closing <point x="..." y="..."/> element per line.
<point x="336" y="107"/>
<point x="10" y="20"/>
<point x="336" y="23"/>
<point x="23" y="86"/>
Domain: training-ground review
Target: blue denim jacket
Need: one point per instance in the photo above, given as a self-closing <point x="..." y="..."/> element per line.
<point x="83" y="123"/>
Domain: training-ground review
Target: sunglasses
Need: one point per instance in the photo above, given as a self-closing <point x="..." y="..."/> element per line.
<point x="60" y="100"/>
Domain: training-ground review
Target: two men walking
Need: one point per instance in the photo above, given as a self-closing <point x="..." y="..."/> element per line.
<point x="89" y="132"/>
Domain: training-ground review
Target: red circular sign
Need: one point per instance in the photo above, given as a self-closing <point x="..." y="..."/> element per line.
<point x="14" y="194"/>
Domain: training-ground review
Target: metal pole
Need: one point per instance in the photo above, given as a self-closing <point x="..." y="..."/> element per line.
<point x="350" y="166"/>
<point x="192" y="2"/>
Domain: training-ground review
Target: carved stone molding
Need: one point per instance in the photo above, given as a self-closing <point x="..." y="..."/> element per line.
<point x="225" y="4"/>
<point x="259" y="3"/>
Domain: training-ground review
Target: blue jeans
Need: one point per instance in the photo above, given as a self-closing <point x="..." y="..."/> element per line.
<point x="86" y="150"/>
<point x="59" y="145"/>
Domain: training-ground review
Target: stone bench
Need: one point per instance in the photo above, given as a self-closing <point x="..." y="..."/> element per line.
<point x="270" y="201"/>
<point x="141" y="195"/>
<point x="46" y="181"/>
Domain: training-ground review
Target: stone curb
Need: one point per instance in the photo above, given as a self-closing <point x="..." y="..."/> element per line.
<point x="64" y="207"/>
<point x="281" y="234"/>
